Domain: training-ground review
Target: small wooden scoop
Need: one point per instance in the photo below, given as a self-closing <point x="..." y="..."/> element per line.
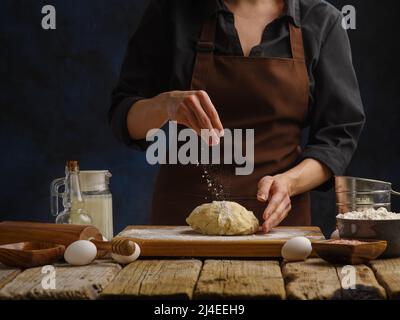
<point x="358" y="252"/>
<point x="30" y="254"/>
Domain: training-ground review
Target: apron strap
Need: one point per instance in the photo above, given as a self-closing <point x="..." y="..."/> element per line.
<point x="207" y="36"/>
<point x="296" y="42"/>
<point x="205" y="51"/>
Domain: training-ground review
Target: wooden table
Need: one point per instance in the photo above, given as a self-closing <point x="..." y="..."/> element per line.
<point x="204" y="279"/>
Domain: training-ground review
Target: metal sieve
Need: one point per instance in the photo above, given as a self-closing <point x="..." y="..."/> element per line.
<point x="355" y="194"/>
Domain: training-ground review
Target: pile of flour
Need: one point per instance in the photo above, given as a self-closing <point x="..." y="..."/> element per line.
<point x="370" y="214"/>
<point x="224" y="213"/>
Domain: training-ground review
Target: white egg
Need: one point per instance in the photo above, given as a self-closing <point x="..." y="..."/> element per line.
<point x="335" y="235"/>
<point x="296" y="249"/>
<point x="80" y="253"/>
<point x="127" y="259"/>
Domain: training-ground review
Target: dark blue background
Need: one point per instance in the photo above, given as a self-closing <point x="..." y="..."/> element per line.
<point x="54" y="96"/>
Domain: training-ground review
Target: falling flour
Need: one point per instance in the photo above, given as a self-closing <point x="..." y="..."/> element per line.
<point x="370" y="214"/>
<point x="214" y="186"/>
<point x="215" y="177"/>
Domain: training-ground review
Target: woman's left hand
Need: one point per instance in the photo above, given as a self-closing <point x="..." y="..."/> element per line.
<point x="276" y="191"/>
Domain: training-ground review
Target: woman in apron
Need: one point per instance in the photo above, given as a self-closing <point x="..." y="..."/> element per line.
<point x="249" y="69"/>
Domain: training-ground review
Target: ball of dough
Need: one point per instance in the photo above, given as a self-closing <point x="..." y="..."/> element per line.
<point x="223" y="218"/>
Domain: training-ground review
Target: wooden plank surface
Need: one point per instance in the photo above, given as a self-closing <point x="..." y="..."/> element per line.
<point x="7" y="274"/>
<point x="313" y="279"/>
<point x="79" y="282"/>
<point x="387" y="273"/>
<point x="156" y="279"/>
<point x="366" y="287"/>
<point x="247" y="279"/>
<point x="181" y="241"/>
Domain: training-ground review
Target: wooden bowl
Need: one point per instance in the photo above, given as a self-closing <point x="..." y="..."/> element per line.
<point x="30" y="254"/>
<point x="386" y="230"/>
<point x="360" y="253"/>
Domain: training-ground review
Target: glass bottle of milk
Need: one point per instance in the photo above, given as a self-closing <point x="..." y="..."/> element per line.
<point x="98" y="199"/>
<point x="74" y="207"/>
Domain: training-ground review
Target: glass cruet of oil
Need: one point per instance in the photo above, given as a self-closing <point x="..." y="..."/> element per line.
<point x="74" y="206"/>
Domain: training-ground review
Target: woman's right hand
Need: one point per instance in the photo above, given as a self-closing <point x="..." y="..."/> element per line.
<point x="194" y="110"/>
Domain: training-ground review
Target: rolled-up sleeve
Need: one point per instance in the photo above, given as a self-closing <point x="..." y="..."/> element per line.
<point x="336" y="115"/>
<point x="145" y="71"/>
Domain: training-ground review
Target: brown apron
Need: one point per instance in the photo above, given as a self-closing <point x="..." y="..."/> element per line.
<point x="269" y="95"/>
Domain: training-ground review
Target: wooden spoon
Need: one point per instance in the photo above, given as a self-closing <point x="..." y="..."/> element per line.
<point x="342" y="253"/>
<point x="30" y="254"/>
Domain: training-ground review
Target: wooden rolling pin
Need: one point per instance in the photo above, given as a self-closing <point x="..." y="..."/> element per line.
<point x="65" y="234"/>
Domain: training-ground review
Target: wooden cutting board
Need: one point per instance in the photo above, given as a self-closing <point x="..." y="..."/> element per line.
<point x="182" y="241"/>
